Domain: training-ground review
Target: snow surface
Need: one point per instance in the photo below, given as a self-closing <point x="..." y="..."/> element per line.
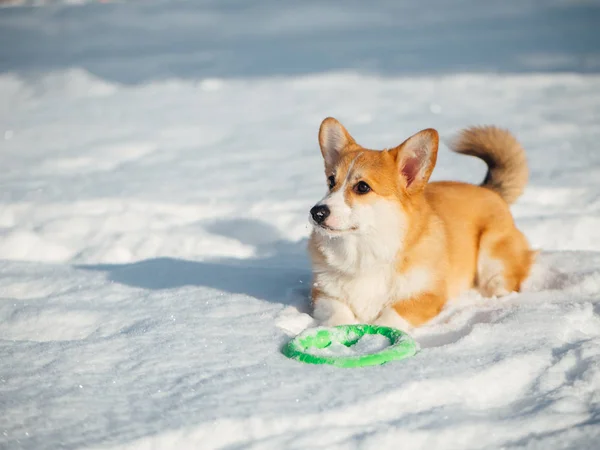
<point x="153" y="221"/>
<point x="366" y="345"/>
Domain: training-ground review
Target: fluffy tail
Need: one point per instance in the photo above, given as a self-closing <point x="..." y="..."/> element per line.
<point x="507" y="166"/>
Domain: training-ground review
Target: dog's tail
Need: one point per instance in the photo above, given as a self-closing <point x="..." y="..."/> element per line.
<point x="507" y="166"/>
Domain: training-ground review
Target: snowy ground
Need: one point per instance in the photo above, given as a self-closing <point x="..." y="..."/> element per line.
<point x="153" y="221"/>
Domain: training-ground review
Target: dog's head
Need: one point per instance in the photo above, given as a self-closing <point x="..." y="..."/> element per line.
<point x="370" y="192"/>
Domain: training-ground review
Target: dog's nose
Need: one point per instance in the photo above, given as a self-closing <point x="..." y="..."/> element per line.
<point x="319" y="213"/>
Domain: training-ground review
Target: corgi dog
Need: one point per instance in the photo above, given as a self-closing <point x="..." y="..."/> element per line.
<point x="389" y="248"/>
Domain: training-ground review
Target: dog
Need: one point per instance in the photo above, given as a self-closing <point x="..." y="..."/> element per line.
<point x="389" y="248"/>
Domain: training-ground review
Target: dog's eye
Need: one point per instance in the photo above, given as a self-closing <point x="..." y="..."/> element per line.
<point x="362" y="188"/>
<point x="331" y="181"/>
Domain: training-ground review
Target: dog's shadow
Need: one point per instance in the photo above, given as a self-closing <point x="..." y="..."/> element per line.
<point x="279" y="273"/>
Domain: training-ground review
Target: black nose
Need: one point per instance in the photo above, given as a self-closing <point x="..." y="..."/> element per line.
<point x="319" y="213"/>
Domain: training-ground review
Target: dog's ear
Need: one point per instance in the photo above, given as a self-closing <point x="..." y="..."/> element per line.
<point x="333" y="139"/>
<point x="415" y="159"/>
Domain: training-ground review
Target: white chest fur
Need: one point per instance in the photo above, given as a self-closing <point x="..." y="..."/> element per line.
<point x="359" y="269"/>
<point x="368" y="292"/>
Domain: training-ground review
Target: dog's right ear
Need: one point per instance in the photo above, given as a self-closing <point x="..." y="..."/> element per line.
<point x="416" y="159"/>
<point x="333" y="139"/>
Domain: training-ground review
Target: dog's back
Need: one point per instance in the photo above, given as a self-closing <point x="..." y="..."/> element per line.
<point x="482" y="238"/>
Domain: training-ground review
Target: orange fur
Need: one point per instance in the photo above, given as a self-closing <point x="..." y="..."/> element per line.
<point x="450" y="236"/>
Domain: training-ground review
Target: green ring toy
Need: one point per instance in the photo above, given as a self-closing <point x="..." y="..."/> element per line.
<point x="401" y="345"/>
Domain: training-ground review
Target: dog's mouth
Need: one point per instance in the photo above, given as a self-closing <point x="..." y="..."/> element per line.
<point x="329" y="230"/>
<point x="326" y="229"/>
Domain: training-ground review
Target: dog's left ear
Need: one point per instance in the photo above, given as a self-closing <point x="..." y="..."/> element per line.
<point x="416" y="159"/>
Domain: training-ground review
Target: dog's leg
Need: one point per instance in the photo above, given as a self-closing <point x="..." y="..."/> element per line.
<point x="389" y="317"/>
<point x="330" y="312"/>
<point x="503" y="263"/>
<point x="406" y="314"/>
<point x="491" y="280"/>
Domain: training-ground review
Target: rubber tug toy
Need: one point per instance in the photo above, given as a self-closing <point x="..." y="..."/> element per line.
<point x="341" y="346"/>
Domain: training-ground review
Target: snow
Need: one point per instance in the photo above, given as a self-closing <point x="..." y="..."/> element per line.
<point x="370" y="344"/>
<point x="366" y="344"/>
<point x="158" y="165"/>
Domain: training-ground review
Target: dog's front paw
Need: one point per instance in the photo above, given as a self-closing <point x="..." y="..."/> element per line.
<point x="390" y="318"/>
<point x="331" y="313"/>
<point x="339" y="320"/>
